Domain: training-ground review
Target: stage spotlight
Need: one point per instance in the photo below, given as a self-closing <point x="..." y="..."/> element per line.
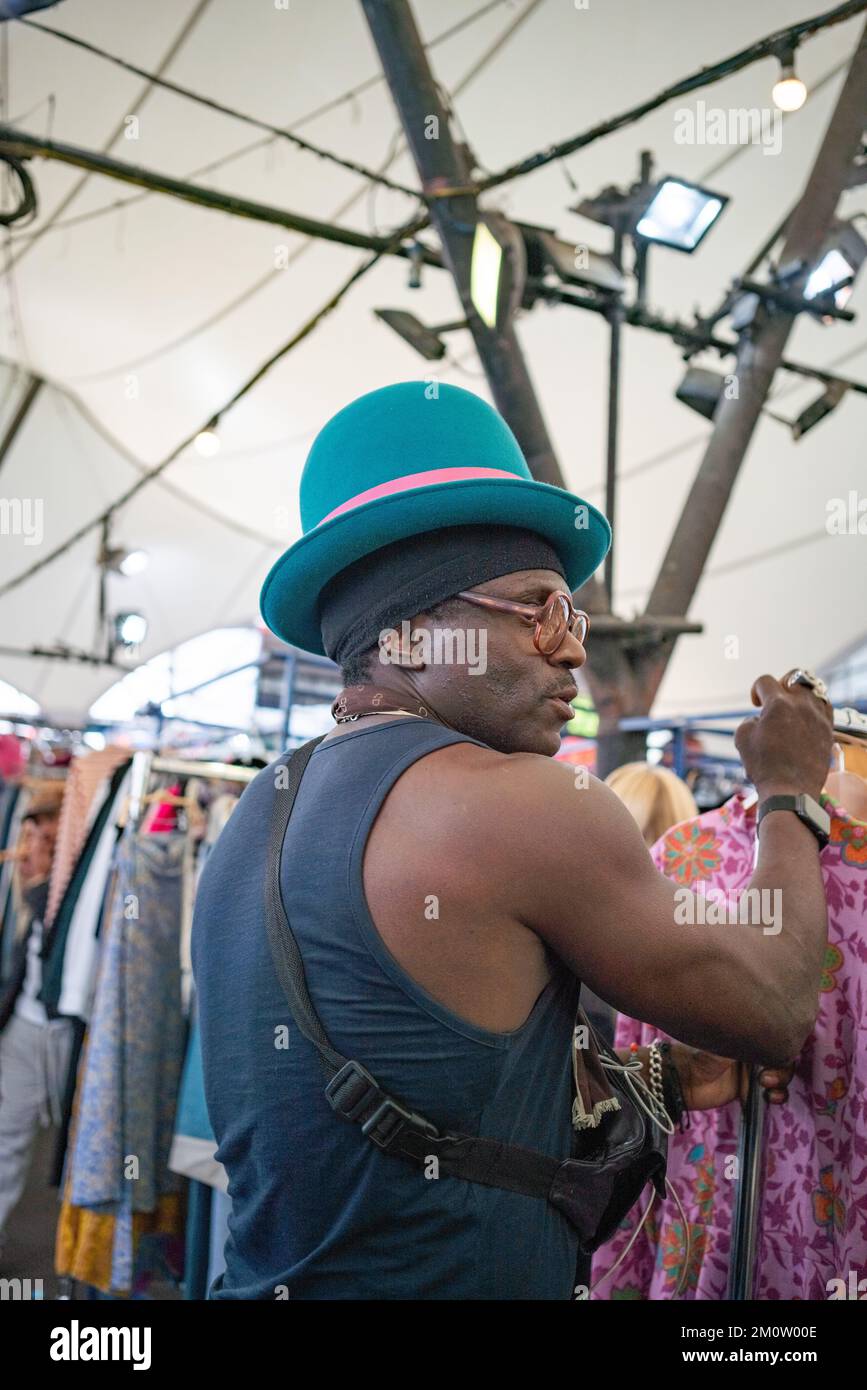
<point x="789" y="92"/>
<point x="701" y="390"/>
<point x="130" y="629"/>
<point x="828" y="401"/>
<point x="841" y="258"/>
<point x="498" y="269"/>
<point x="425" y="340"/>
<point x="679" y="214"/>
<point x="575" y="265"/>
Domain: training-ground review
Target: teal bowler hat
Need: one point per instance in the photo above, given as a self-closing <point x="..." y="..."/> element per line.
<point x="407" y="459"/>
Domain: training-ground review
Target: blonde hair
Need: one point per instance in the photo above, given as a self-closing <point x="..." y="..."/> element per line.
<point x="656" y="798"/>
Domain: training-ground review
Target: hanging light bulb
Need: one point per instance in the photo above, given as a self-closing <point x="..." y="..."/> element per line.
<point x="207" y="441"/>
<point x="133" y="562"/>
<point x="789" y="91"/>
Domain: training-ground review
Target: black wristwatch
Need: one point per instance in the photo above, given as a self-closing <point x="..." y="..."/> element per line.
<point x="808" y="811"/>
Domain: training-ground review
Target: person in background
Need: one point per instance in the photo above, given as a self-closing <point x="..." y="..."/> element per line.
<point x="656" y="798"/>
<point x="34" y="1050"/>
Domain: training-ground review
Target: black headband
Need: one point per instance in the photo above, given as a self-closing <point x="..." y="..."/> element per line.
<point x="410" y="576"/>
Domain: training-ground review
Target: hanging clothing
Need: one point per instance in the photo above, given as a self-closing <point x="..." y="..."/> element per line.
<point x="131" y="1070"/>
<point x="78" y="971"/>
<point x="162" y="815"/>
<point x="86" y="777"/>
<point x="81" y="904"/>
<point x="812" y="1224"/>
<point x="316" y="1207"/>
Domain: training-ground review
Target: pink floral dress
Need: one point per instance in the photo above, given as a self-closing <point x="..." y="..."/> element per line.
<point x="813" y="1214"/>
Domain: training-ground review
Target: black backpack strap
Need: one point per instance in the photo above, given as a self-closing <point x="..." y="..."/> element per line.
<point x="284" y="948"/>
<point x="354" y="1094"/>
<point x="352" y="1091"/>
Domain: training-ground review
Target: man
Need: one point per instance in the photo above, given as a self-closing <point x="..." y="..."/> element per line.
<point x="449" y="884"/>
<point x="34" y="1050"/>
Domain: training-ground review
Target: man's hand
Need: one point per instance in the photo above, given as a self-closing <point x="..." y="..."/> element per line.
<point x="787" y="746"/>
<point x="709" y="1081"/>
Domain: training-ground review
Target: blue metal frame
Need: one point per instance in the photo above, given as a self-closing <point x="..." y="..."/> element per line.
<point x="681" y="725"/>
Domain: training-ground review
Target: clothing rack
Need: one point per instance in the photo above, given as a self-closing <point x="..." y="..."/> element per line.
<point x="145" y="764"/>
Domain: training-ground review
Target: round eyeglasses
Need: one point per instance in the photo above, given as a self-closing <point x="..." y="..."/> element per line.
<point x="552" y="619"/>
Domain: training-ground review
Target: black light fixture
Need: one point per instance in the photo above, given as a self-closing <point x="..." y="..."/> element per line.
<point x="679" y="214"/>
<point x="130" y="630"/>
<point x="818" y="409"/>
<point x="572" y="263"/>
<point x="843" y="253"/>
<point x="416" y="261"/>
<point x="702" y="390"/>
<point x="426" y="341"/>
<point x="823" y="290"/>
<point x="498" y="270"/>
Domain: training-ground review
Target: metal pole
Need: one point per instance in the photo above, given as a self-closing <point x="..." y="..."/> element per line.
<point x="615" y="322"/>
<point x="742" y="1264"/>
<point x="645" y="174"/>
<point x="103" y="635"/>
<point x="443" y="164"/>
<point x="288" y="691"/>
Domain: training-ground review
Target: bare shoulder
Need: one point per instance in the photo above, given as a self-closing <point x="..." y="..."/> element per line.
<point x="515" y="779"/>
<point x="470" y="791"/>
<point x="557" y="803"/>
<point x="535" y="839"/>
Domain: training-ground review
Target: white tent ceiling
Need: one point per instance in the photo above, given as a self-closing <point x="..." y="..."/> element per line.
<point x="145" y="319"/>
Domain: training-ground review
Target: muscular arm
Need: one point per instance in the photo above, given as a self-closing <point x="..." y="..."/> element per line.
<point x="572" y="862"/>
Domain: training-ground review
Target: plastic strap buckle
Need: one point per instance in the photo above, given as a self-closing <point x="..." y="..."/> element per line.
<point x="355" y="1095"/>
